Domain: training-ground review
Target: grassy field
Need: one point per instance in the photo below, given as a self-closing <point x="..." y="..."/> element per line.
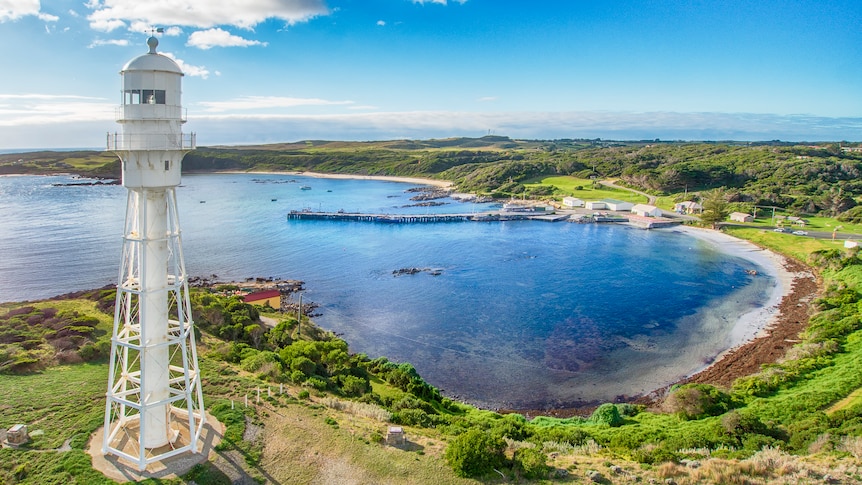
<point x="799" y="247"/>
<point x="584" y="189"/>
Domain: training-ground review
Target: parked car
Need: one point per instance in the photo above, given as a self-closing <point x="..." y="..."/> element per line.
<point x="800" y="233"/>
<point x="780" y="229"/>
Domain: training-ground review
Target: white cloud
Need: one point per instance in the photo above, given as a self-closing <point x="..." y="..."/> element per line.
<point x="15" y="9"/>
<point x="101" y="42"/>
<point x="48" y="109"/>
<point x="106" y="25"/>
<point x="265" y="102"/>
<point x="173" y="31"/>
<point x="381" y="23"/>
<point x="202" y="13"/>
<point x="206" y="39"/>
<point x="189" y="69"/>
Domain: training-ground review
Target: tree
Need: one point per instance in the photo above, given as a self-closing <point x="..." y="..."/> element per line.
<point x="475" y="453"/>
<point x="715" y="206"/>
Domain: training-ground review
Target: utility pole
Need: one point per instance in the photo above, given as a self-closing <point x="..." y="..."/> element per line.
<point x="299" y="318"/>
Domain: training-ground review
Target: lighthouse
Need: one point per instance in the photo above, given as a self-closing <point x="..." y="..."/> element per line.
<point x="154" y="407"/>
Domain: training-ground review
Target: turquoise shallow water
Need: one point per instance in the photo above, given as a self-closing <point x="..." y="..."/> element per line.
<point x="522" y="314"/>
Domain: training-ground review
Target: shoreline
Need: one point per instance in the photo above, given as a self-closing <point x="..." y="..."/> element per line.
<point x="753" y="331"/>
<point x="385" y="178"/>
<point x="760" y="336"/>
<point x="755" y="323"/>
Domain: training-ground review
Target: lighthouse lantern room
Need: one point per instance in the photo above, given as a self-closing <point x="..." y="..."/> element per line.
<point x="154" y="406"/>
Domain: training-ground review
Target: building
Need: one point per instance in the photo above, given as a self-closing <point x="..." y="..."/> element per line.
<point x="618" y="205"/>
<point x="645" y="210"/>
<point x="596" y="205"/>
<point x="741" y="217"/>
<point x="572" y="202"/>
<point x="687" y="207"/>
<point x="271" y="298"/>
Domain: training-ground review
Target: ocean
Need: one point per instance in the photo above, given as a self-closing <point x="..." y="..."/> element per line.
<point x="518" y="315"/>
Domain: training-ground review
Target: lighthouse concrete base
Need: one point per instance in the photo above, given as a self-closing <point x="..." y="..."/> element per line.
<point x="121" y="470"/>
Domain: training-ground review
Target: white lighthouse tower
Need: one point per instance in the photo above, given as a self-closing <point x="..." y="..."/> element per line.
<point x="154" y="406"/>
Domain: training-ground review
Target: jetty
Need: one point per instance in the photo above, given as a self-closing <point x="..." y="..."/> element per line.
<point x="402" y="218"/>
<point x="492" y="216"/>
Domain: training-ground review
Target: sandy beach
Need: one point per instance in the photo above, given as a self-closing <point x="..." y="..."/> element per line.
<point x="753" y="324"/>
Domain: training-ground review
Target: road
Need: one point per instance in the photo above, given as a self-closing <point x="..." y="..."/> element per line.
<point x="613" y="183"/>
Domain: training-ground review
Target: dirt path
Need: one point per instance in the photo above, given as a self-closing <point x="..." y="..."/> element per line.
<point x="613" y="183"/>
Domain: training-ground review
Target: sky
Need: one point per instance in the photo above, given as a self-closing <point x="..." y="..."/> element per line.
<point x="268" y="71"/>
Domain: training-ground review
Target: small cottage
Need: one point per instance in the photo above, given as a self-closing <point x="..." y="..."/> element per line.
<point x="741" y="217"/>
<point x="271" y="298"/>
<point x="687" y="207"/>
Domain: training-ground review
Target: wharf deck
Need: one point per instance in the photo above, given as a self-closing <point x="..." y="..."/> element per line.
<point x="404" y="218"/>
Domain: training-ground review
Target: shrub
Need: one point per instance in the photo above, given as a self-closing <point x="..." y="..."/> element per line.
<point x="353" y="386"/>
<point x="608" y="414"/>
<point x="298" y="376"/>
<point x="696" y="401"/>
<point x="474" y="453"/>
<point x="316" y="382"/>
<point x="532" y="463"/>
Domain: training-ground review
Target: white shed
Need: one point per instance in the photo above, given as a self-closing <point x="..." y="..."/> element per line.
<point x="741" y="217"/>
<point x="572" y="202"/>
<point x="646" y="210"/>
<point x="618" y="205"/>
<point x="596" y="205"/>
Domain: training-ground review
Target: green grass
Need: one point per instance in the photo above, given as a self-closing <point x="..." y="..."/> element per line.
<point x="795" y="246"/>
<point x="568" y="186"/>
<point x="60" y="403"/>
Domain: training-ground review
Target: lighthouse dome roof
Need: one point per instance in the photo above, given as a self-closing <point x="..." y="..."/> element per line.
<point x="152" y="61"/>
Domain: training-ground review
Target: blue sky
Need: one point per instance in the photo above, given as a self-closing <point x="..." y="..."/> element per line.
<point x="284" y="70"/>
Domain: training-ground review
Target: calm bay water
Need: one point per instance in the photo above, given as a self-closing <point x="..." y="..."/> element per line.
<point x="523" y="314"/>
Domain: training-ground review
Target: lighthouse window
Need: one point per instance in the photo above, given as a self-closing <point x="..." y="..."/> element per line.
<point x="167" y="164"/>
<point x="144" y="96"/>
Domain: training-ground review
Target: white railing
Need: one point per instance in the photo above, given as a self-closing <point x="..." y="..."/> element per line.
<point x="121" y="142"/>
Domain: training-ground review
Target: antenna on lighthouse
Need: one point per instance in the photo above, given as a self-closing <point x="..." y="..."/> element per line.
<point x="154" y="407"/>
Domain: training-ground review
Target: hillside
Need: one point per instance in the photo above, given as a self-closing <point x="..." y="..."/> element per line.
<point x="819" y="180"/>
